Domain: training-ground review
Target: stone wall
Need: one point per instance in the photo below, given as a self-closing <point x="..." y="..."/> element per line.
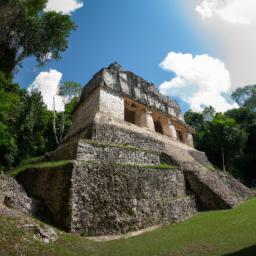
<point x="113" y="134"/>
<point x="13" y="196"/>
<point x="111" y="104"/>
<point x="95" y="151"/>
<point x="214" y="189"/>
<point x="52" y="187"/>
<point x="105" y="199"/>
<point x="114" y="199"/>
<point x="127" y="84"/>
<point x="85" y="113"/>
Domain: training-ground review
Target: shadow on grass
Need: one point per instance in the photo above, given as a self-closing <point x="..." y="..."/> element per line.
<point x="250" y="251"/>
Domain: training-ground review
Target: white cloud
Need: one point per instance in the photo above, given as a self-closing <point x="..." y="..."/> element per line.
<point x="47" y="83"/>
<point x="48" y="56"/>
<point x="63" y="6"/>
<point x="231" y="11"/>
<point x="200" y="80"/>
<point x="229" y="27"/>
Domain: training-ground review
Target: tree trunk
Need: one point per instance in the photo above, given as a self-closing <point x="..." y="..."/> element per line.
<point x="54" y="123"/>
<point x="223" y="158"/>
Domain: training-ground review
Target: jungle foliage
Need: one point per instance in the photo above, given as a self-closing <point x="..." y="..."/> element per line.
<point x="229" y="138"/>
<point x="26" y="126"/>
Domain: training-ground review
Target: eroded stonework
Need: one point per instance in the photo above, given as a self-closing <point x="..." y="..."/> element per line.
<point x="131" y="163"/>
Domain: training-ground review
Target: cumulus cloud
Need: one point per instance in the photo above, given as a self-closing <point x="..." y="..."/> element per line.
<point x="47" y="83"/>
<point x="200" y="81"/>
<point x="63" y="6"/>
<point x="229" y="25"/>
<point x="231" y="11"/>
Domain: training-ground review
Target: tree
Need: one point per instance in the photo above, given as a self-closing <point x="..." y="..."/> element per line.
<point x="27" y="30"/>
<point x="223" y="139"/>
<point x="9" y="102"/>
<point x="32" y="127"/>
<point x="229" y="140"/>
<point x="246" y="96"/>
<point x="8" y="148"/>
<point x="209" y="113"/>
<point x="246" y="118"/>
<point x="70" y="92"/>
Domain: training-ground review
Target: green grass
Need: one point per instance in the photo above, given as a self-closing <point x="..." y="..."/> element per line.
<point x="33" y="160"/>
<point x="216" y="233"/>
<point x="42" y="165"/>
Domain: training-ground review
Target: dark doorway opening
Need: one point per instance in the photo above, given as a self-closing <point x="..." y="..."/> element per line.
<point x="129" y="116"/>
<point x="158" y="127"/>
<point x="179" y="136"/>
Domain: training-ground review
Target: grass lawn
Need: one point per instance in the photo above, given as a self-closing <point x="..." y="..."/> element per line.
<point x="227" y="233"/>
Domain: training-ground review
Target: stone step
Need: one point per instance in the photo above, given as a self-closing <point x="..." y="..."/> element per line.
<point x="118" y="153"/>
<point x="215" y="189"/>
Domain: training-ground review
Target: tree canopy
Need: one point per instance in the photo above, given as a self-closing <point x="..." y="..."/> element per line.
<point x="228" y="140"/>
<point x="27" y="30"/>
<point x="246" y="96"/>
<point x="26" y="126"/>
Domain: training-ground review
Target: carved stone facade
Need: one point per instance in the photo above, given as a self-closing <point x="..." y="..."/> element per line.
<point x="124" y="97"/>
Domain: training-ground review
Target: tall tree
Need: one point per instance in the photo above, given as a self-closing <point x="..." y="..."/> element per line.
<point x="70" y="92"/>
<point x="27" y="30"/>
<point x="246" y="96"/>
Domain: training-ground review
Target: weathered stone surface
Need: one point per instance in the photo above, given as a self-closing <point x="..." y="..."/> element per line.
<point x="93" y="151"/>
<point x="109" y="133"/>
<point x="215" y="190"/>
<point x="52" y="187"/>
<point x="13" y="196"/>
<point x="110" y="199"/>
<point x="113" y="199"/>
<point x="125" y="83"/>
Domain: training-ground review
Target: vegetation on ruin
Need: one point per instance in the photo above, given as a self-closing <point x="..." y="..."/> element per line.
<point x="42" y="165"/>
<point x="123" y="146"/>
<point x="216" y="233"/>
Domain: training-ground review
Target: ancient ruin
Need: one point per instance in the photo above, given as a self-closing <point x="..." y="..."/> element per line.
<point x="131" y="163"/>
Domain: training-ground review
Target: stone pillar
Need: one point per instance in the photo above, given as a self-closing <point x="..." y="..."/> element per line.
<point x="111" y="105"/>
<point x="140" y="118"/>
<point x="188" y="139"/>
<point x="149" y="121"/>
<point x="173" y="133"/>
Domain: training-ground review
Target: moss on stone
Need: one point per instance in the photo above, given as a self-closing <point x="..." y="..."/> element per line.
<point x="41" y="165"/>
<point x="123" y="146"/>
<point x="115" y="164"/>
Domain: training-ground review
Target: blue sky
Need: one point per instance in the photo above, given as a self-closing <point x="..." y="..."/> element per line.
<point x="136" y="33"/>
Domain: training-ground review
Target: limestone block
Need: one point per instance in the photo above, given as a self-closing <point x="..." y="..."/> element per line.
<point x="118" y="135"/>
<point x="140" y="118"/>
<point x="106" y="152"/>
<point x="108" y="79"/>
<point x="86" y="112"/>
<point x="111" y="104"/>
<point x="188" y="139"/>
<point x="124" y="87"/>
<point x="137" y="93"/>
<point x="150" y="123"/>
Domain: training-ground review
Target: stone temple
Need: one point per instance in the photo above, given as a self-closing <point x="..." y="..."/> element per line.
<point x="131" y="164"/>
